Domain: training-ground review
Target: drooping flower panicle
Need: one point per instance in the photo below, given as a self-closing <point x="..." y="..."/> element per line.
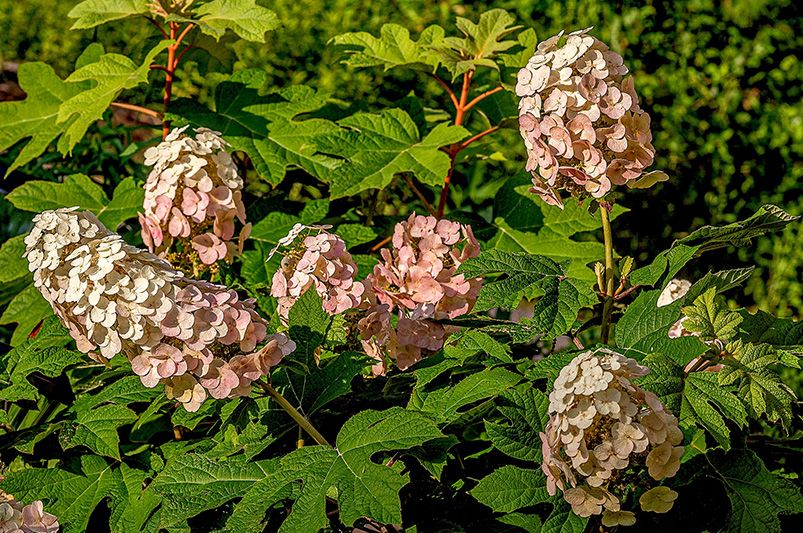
<point x="600" y="424"/>
<point x="195" y="337"/>
<point x="18" y="518"/>
<point x="580" y="119"/>
<point x="193" y="196"/>
<point x="417" y="281"/>
<point x="319" y="259"/>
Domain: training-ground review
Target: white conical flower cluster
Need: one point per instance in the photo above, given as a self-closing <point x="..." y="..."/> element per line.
<point x="580" y="119"/>
<point x="316" y="258"/>
<point x="195" y="337"/>
<point x="18" y="518"/>
<point x="600" y="424"/>
<point x="193" y="195"/>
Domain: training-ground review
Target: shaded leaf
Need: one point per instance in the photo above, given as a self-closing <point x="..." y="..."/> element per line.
<point x="757" y="496"/>
<point x="364" y="488"/>
<point x="509" y="488"/>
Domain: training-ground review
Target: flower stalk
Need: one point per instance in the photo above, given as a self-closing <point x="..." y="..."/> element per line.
<point x="607" y="309"/>
<point x="299" y="419"/>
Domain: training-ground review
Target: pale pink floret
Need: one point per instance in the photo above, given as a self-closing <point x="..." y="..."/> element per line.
<point x="15" y="517"/>
<point x="193" y="192"/>
<point x="600" y="424"/>
<point x="194" y="337"/>
<point x="417" y="281"/>
<point x="580" y="119"/>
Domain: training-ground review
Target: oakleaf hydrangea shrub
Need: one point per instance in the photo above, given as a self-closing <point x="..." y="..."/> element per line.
<point x="346" y="320"/>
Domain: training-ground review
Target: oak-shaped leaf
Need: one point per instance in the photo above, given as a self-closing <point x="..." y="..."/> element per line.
<point x="757" y="496"/>
<point x="393" y="48"/>
<point x="91" y="13"/>
<point x="244" y="17"/>
<point x="528" y="276"/>
<point x="364" y="488"/>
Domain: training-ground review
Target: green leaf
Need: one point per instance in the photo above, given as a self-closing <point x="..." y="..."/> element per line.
<point x="126" y="202"/>
<point x="79" y="190"/>
<point x="481" y="44"/>
<point x="393" y="48"/>
<point x="710" y="317"/>
<point x="192" y="483"/>
<point x="469" y="342"/>
<point x="563" y="520"/>
<point x="768" y="218"/>
<point x="664" y="266"/>
<point x="27" y="309"/>
<point x="91" y="13"/>
<point x="757" y="496"/>
<point x="35" y="117"/>
<point x="526" y="224"/>
<point x="44" y="354"/>
<point x="377" y="146"/>
<point x="644" y="330"/>
<point x="71" y="494"/>
<point x="720" y="281"/>
<point x="107" y="77"/>
<point x="761" y="327"/>
<point x="355" y="234"/>
<point x="97" y="429"/>
<point x="308" y="325"/>
<point x="528" y="275"/>
<point x="266" y="127"/>
<point x="526" y="411"/>
<point x="276" y="224"/>
<point x="76" y="190"/>
<point x="243" y="17"/>
<point x="665" y="379"/>
<point x="509" y="488"/>
<point x="760" y="387"/>
<point x="701" y="392"/>
<point x="124" y="391"/>
<point x="14" y="265"/>
<point x="445" y="403"/>
<point x="364" y="488"/>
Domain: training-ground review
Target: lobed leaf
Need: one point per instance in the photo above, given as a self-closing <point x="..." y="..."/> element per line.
<point x="364" y="488"/>
<point x="91" y="13"/>
<point x="510" y="488"/>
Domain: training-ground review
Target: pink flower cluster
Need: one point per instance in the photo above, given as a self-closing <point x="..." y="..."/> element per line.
<point x="193" y="195"/>
<point x="195" y="337"/>
<point x="580" y="119"/>
<point x="319" y="259"/>
<point x="18" y="518"/>
<point x="600" y="424"/>
<point x="417" y="282"/>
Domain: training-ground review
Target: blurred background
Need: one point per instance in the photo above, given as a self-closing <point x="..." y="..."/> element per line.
<point x="721" y="80"/>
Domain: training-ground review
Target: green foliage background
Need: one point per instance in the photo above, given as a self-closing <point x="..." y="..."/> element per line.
<point x="721" y="81"/>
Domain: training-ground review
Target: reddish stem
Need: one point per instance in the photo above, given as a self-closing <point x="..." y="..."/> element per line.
<point x="420" y="195"/>
<point x="138" y="109"/>
<point x="381" y="243"/>
<point x="159" y="27"/>
<point x="448" y="90"/>
<point x="482" y="97"/>
<point x="170" y="68"/>
<point x="455" y="148"/>
<point x="479" y="136"/>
